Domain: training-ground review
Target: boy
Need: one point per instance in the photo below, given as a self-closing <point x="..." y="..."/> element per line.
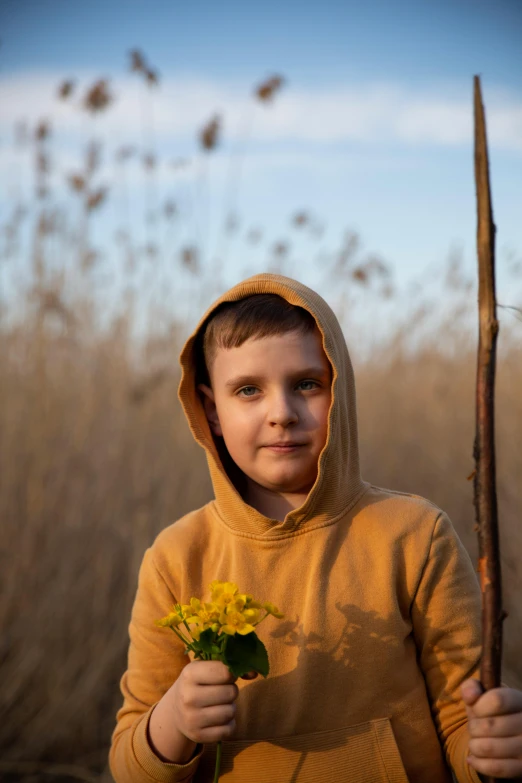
<point x="381" y="629"/>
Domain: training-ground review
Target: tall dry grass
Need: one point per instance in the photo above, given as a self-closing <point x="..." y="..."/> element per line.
<point x="96" y="458"/>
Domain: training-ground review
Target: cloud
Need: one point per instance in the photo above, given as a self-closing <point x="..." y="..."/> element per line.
<point x="174" y="112"/>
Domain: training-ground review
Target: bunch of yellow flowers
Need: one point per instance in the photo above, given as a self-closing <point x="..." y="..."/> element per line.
<point x="228" y="612"/>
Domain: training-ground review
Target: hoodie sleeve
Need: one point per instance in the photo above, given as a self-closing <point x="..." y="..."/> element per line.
<point x="155" y="660"/>
<point x="446" y="615"/>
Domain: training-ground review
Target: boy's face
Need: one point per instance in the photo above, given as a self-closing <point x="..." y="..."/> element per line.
<point x="271" y="390"/>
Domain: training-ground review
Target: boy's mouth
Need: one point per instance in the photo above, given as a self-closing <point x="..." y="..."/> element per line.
<point x="282" y="447"/>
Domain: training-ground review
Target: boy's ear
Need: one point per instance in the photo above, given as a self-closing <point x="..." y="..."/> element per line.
<point x="209" y="405"/>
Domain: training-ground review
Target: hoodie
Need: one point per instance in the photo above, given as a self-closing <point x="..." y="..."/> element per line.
<point x="381" y="607"/>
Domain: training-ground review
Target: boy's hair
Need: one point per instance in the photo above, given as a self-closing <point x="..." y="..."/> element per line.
<point x="257" y="315"/>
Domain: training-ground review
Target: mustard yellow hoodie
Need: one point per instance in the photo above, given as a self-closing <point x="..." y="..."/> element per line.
<point x="381" y="604"/>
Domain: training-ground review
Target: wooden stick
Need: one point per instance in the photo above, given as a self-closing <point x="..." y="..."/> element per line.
<point x="485" y="495"/>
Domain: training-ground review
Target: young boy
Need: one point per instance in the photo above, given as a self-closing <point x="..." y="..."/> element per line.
<point x="374" y="668"/>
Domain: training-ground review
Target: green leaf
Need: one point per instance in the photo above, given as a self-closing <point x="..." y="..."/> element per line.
<point x="206" y="638"/>
<point x="244" y="653"/>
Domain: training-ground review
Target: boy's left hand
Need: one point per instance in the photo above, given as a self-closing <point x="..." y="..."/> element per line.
<point x="495" y="729"/>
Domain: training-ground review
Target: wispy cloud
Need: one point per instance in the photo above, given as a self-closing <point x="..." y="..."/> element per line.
<point x="382" y="114"/>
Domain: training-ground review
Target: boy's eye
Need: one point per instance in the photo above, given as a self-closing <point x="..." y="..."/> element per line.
<point x="313" y="382"/>
<point x="247" y="388"/>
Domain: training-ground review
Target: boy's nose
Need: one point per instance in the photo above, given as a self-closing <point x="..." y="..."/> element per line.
<point x="283" y="412"/>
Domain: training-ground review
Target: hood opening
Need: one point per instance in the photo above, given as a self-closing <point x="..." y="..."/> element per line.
<point x="338" y="484"/>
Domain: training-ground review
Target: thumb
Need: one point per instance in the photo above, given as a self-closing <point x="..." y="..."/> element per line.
<point x="471" y="690"/>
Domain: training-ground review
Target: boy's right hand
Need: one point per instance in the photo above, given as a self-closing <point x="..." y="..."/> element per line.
<point x="203" y="701"/>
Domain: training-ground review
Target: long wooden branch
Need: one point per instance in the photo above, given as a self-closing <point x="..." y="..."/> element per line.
<point x="485" y="495"/>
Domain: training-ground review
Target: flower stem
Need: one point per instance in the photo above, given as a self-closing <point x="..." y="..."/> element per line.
<point x="186" y="641"/>
<point x="218" y="761"/>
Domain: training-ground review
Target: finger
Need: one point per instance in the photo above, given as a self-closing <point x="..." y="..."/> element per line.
<point x="211" y="695"/>
<point x="212" y="673"/>
<point x="218" y="733"/>
<point x="500" y="726"/>
<point x="249" y="675"/>
<point x="216" y="716"/>
<point x="498" y="701"/>
<point x="471" y="690"/>
<point x="496" y="748"/>
<point x="496" y="768"/>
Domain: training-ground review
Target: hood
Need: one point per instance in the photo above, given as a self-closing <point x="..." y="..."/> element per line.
<point x="338" y="485"/>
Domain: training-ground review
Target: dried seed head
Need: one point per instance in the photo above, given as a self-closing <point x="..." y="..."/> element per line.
<point x="50" y="302"/>
<point x="89" y="259"/>
<point x="65" y="89"/>
<point x="77" y="182"/>
<point x="170" y="209"/>
<point x="137" y="61"/>
<point x="208" y="136"/>
<point x="280" y="249"/>
<point x="360" y="274"/>
<point x="152" y="77"/>
<point x="189" y="258"/>
<point x="47" y="223"/>
<point x="267" y="89"/>
<point x="232" y="223"/>
<point x="43" y="130"/>
<point x="42" y="163"/>
<point x="98" y="97"/>
<point x="151" y="250"/>
<point x="96" y="198"/>
<point x="149" y="161"/>
<point x="300" y="219"/>
<point x="375" y="265"/>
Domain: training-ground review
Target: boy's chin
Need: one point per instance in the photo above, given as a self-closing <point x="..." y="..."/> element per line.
<point x="284" y="485"/>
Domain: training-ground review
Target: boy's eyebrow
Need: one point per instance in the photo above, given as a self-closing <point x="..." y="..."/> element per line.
<point x="239" y="380"/>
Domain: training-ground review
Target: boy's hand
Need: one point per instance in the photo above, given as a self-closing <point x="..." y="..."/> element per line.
<point x="495" y="729"/>
<point x="204" y="698"/>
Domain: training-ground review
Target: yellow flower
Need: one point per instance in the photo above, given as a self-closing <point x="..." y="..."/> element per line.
<point x="252" y="615"/>
<point x="203" y="613"/>
<point x="170" y="621"/>
<point x="232" y="622"/>
<point x="223" y="593"/>
<point x="195" y="632"/>
<point x="272" y="609"/>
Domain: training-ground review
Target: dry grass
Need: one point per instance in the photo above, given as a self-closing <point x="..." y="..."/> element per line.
<point x="90" y="472"/>
<point x="96" y="459"/>
<point x="417" y="424"/>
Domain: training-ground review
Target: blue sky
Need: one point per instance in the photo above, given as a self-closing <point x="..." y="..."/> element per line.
<point x="371" y="131"/>
<point x="314" y="42"/>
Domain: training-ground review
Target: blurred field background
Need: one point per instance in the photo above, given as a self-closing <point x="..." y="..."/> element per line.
<point x="96" y="457"/>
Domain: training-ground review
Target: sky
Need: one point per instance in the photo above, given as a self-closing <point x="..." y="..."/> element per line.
<point x="371" y="131"/>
